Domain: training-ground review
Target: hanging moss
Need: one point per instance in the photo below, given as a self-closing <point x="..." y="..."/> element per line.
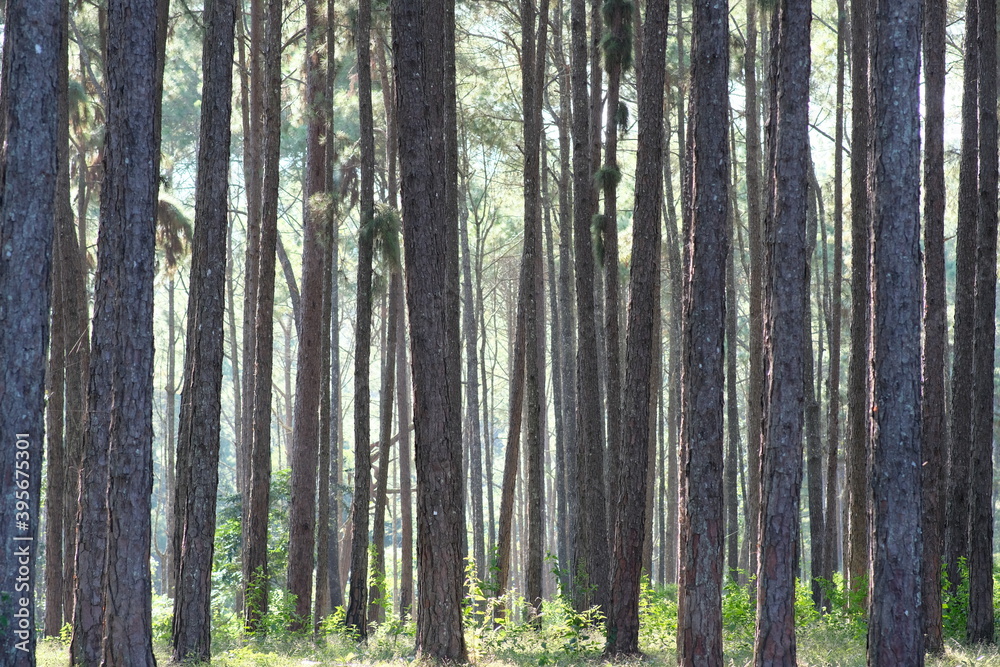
<point x="608" y="176"/>
<point x="173" y="232"/>
<point x="383" y="230"/>
<point x="597" y="224"/>
<point x="621" y="118"/>
<point x="618" y="48"/>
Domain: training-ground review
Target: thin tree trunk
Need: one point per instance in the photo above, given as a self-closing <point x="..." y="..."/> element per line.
<point x="980" y="622"/>
<point x="198" y="440"/>
<point x="405" y="494"/>
<point x="642" y="343"/>
<point x="258" y="488"/>
<point x="857" y="449"/>
<point x="935" y="321"/>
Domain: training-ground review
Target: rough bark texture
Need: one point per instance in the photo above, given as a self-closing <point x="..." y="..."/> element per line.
<point x="641" y="347"/>
<point x="423" y="50"/>
<point x="590" y="577"/>
<point x="785" y="296"/>
<point x="732" y="404"/>
<point x="832" y="541"/>
<point x="305" y="434"/>
<point x="358" y="593"/>
<point x="198" y="441"/>
<point x="27" y="198"/>
<point x="533" y="70"/>
<point x="935" y="322"/>
<point x="755" y="384"/>
<point x="699" y="635"/>
<point x="122" y="366"/>
<point x="258" y="465"/>
<point x="957" y="530"/>
<point x="857" y="382"/>
<point x="979" y="625"/>
<point x="895" y="631"/>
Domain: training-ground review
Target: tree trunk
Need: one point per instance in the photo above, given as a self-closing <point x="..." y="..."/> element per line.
<point x="378" y="598"/>
<point x="699" y="637"/>
<point x="589" y="575"/>
<point x="857" y="381"/>
<point x="423" y="50"/>
<point x="934" y="425"/>
<point x="121" y="389"/>
<point x="732" y="406"/>
<point x="642" y="344"/>
<point x="617" y="47"/>
<point x="305" y="437"/>
<point x="979" y="626"/>
<point x="786" y="289"/>
<point x="258" y="468"/>
<point x="28" y="176"/>
<point x="895" y="631"/>
<point x="832" y="539"/>
<point x="357" y="607"/>
<point x="198" y="440"/>
<point x="403" y="397"/>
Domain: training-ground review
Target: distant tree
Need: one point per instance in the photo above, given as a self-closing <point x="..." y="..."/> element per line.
<point x="424" y="63"/>
<point x="896" y="630"/>
<point x="642" y="344"/>
<point x="357" y="608"/>
<point x="257" y="485"/>
<point x="980" y="622"/>
<point x="309" y="366"/>
<point x="699" y="634"/>
<point x="28" y="127"/>
<point x="857" y="435"/>
<point x="201" y="406"/>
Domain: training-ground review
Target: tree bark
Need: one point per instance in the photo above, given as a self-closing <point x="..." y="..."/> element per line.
<point x="305" y="436"/>
<point x="979" y="624"/>
<point x="786" y="289"/>
<point x="423" y="50"/>
<point x="258" y="467"/>
<point x="857" y="381"/>
<point x="198" y="439"/>
<point x="699" y="637"/>
<point x="935" y="321"/>
<point x="642" y="344"/>
<point x="895" y="631"/>
<point x="28" y="175"/>
<point x="358" y="602"/>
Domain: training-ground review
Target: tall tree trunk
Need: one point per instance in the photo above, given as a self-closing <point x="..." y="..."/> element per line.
<point x="378" y="598"/>
<point x="935" y="321"/>
<point x="857" y="381"/>
<point x="201" y="406"/>
<point x="589" y="575"/>
<point x="28" y="175"/>
<point x="617" y="47"/>
<point x="959" y="479"/>
<point x="732" y="404"/>
<point x="305" y="436"/>
<point x="423" y="49"/>
<point x="979" y="626"/>
<point x="358" y="604"/>
<point x="833" y="377"/>
<point x="642" y="345"/>
<point x="755" y="384"/>
<point x="170" y="446"/>
<point x="405" y="494"/>
<point x="699" y="637"/>
<point x="258" y="468"/>
<point x="532" y="294"/>
<point x="812" y="401"/>
<point x="895" y="631"/>
<point x="786" y="289"/>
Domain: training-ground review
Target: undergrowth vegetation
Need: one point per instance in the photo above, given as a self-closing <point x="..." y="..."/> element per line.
<point x="835" y="637"/>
